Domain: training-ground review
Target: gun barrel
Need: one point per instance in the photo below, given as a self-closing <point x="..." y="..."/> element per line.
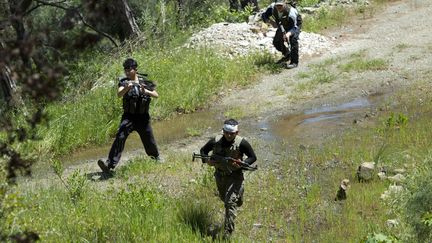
<point x="199" y="156"/>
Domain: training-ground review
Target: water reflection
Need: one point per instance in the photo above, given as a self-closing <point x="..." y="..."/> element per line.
<point x="314" y="124"/>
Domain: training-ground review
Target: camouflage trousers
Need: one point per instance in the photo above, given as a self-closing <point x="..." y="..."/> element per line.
<point x="230" y="187"/>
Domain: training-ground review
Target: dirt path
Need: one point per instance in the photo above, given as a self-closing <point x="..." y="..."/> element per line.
<point x="400" y="35"/>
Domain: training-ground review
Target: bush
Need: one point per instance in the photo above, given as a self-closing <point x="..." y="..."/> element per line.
<point x="418" y="204"/>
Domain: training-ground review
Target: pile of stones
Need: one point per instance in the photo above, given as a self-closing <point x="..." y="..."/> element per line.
<point x="238" y="39"/>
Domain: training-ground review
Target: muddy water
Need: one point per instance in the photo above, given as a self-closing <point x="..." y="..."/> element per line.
<point x="309" y="127"/>
<point x="165" y="132"/>
<point x="312" y="126"/>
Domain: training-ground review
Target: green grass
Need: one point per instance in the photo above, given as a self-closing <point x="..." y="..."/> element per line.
<point x="330" y="69"/>
<point x="289" y="199"/>
<point x="360" y="62"/>
<point x="186" y="80"/>
<point x="235" y="113"/>
<point x="89" y="111"/>
<point x="318" y="74"/>
<point x="326" y="18"/>
<point x="360" y="65"/>
<point x="401" y="46"/>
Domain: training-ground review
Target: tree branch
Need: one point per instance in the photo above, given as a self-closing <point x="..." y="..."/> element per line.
<point x="58" y="5"/>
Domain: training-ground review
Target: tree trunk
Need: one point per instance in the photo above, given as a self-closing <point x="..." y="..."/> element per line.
<point x="17" y="9"/>
<point x="181" y="13"/>
<point x="7" y="85"/>
<point x="128" y="26"/>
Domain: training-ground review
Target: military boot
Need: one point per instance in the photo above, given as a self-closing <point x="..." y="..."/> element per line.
<point x="292" y="65"/>
<point x="105" y="166"/>
<point x="283" y="59"/>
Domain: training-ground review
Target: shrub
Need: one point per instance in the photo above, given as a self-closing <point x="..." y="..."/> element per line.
<point x="418" y="204"/>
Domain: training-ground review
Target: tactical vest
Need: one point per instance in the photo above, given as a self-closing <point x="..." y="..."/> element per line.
<point x="135" y="101"/>
<point x="232" y="151"/>
<point x="284" y="18"/>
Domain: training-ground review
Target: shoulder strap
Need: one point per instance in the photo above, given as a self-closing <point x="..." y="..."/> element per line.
<point x="144" y="78"/>
<point x="237" y="141"/>
<point x="121" y="79"/>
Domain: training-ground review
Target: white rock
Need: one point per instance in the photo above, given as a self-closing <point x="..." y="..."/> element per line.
<point x="398" y="178"/>
<point x="234" y="36"/>
<point x="393" y="189"/>
<point x="382" y="175"/>
<point x="365" y="171"/>
<point x="392" y="223"/>
<point x="400" y="171"/>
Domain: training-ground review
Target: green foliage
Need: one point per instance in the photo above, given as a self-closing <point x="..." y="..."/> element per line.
<point x="137" y="205"/>
<point x="137" y="197"/>
<point x="379" y="238"/>
<point x="135" y="213"/>
<point x="427" y="219"/>
<point x="326" y="18"/>
<point x="308" y="3"/>
<point x="186" y="79"/>
<point x="197" y="215"/>
<point x="319" y="74"/>
<point x="193" y="132"/>
<point x="138" y="166"/>
<point x="398" y="120"/>
<point x="266" y="60"/>
<point x="58" y="168"/>
<point x="418" y="206"/>
<point x="224" y="14"/>
<point x="364" y="65"/>
<point x="89" y="119"/>
<point x="235" y="113"/>
<point x="299" y="207"/>
<point x="76" y="186"/>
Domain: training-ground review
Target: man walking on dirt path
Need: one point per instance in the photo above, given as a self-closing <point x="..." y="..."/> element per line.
<point x="228" y="174"/>
<point x="136" y="92"/>
<point x="288" y="21"/>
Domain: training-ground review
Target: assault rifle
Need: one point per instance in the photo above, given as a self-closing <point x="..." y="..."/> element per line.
<point x="243" y="165"/>
<point x="280" y="26"/>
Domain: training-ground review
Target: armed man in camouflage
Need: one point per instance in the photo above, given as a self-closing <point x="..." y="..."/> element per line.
<point x="288" y="22"/>
<point x="137" y="93"/>
<point x="228" y="174"/>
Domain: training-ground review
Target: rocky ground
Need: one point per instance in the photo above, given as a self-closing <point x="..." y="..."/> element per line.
<point x="390" y="36"/>
<point x="238" y="39"/>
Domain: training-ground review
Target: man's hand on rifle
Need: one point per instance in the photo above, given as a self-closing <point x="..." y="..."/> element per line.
<point x="287" y="36"/>
<point x="143" y="89"/>
<point x="129" y="85"/>
<point x="272" y="23"/>
<point x="236" y="163"/>
<point x="211" y="162"/>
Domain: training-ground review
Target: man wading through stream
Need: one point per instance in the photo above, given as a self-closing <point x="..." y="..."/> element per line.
<point x="137" y="92"/>
<point x="228" y="174"/>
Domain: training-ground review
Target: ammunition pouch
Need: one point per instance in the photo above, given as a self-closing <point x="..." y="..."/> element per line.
<point x="135" y="102"/>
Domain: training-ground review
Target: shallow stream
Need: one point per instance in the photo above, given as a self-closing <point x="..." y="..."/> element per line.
<point x="308" y="127"/>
